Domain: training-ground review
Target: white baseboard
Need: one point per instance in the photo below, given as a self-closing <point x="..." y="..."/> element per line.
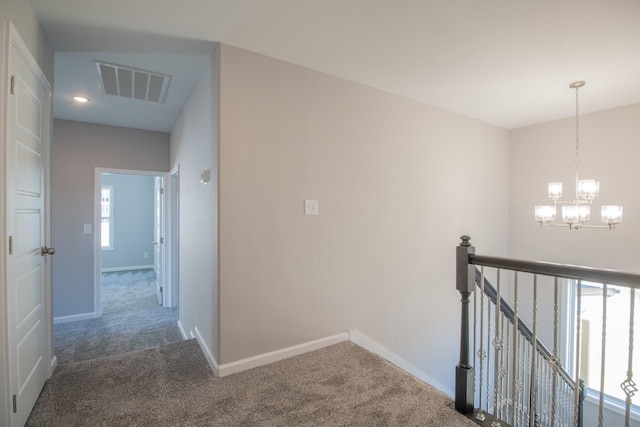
<point x="54" y="364"/>
<point x="182" y="331"/>
<point x="367" y="343"/>
<point x="207" y="352"/>
<point x="354" y="336"/>
<point x="74" y="318"/>
<point x="133" y="267"/>
<point x="274" y="356"/>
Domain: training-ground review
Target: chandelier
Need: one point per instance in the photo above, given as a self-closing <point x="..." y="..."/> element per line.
<point x="577" y="212"/>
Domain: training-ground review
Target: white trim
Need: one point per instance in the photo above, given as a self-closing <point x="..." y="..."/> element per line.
<point x="611" y="404"/>
<point x="367" y="343"/>
<point x="54" y="363"/>
<point x="97" y="247"/>
<point x="207" y="353"/>
<point x="5" y="418"/>
<point x="274" y="356"/>
<point x="160" y="251"/>
<point x="182" y="331"/>
<point x="171" y="253"/>
<point x="74" y="318"/>
<point x="131" y="268"/>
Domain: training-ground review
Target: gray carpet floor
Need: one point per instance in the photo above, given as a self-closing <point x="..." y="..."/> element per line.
<point x="131" y="320"/>
<point x="341" y="385"/>
<point x="131" y="368"/>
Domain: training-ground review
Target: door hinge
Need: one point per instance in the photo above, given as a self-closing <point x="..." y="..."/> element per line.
<point x="10" y="245"/>
<point x="161" y="289"/>
<point x="161" y="190"/>
<point x="13" y="85"/>
<point x="15" y="404"/>
<point x="162" y="240"/>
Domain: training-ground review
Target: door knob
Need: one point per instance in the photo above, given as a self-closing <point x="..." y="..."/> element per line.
<point x="47" y="251"/>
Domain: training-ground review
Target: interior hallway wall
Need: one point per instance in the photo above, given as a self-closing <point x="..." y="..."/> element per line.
<point x="77" y="149"/>
<point x="194" y="149"/>
<point x="397" y="183"/>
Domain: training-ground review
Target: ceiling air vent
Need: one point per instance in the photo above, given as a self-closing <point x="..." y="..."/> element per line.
<point x="135" y="83"/>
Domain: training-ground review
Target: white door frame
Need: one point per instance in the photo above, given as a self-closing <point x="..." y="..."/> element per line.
<point x="5" y="418"/>
<point x="167" y="279"/>
<point x="172" y="266"/>
<point x="12" y="37"/>
<point x="160" y="244"/>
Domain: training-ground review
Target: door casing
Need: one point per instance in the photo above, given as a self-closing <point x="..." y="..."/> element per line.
<point x="158" y="235"/>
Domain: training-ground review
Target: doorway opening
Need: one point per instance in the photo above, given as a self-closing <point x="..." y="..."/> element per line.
<point x="134" y="303"/>
<point x="133" y="216"/>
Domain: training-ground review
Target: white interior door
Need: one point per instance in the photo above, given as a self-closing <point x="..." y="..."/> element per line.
<point x="28" y="109"/>
<point x="158" y="243"/>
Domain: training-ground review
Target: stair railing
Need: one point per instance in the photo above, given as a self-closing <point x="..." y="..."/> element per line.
<point x="518" y="381"/>
<point x="507" y="328"/>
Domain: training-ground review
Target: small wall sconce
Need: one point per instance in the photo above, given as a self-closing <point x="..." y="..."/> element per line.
<point x="205" y="175"/>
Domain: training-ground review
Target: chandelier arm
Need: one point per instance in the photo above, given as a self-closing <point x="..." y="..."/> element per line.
<point x="572" y="202"/>
<point x="603" y="227"/>
<point x="577" y="226"/>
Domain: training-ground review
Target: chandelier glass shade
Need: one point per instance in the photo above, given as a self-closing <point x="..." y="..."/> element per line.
<point x="577" y="212"/>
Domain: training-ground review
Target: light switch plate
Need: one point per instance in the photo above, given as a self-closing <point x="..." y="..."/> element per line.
<point x="88" y="229"/>
<point x="311" y="207"/>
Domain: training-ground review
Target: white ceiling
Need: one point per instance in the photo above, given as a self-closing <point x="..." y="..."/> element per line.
<point x="505" y="62"/>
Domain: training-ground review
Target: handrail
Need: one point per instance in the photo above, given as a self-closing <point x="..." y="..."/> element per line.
<point x="613" y="277"/>
<point x="466" y="278"/>
<point x="506" y="309"/>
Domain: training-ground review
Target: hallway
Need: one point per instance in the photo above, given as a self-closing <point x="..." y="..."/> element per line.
<point x="131" y="320"/>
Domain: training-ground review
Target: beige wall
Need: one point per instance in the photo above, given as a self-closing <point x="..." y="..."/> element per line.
<point x="22" y="16"/>
<point x="77" y="149"/>
<point x="397" y="182"/>
<point x="194" y="148"/>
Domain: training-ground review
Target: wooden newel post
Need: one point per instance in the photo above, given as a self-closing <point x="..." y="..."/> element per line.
<point x="465" y="284"/>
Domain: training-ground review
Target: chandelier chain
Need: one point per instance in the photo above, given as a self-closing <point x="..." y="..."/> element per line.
<point x="577" y="129"/>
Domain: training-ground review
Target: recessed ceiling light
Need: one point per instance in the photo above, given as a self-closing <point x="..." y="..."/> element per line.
<point x="80" y="99"/>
